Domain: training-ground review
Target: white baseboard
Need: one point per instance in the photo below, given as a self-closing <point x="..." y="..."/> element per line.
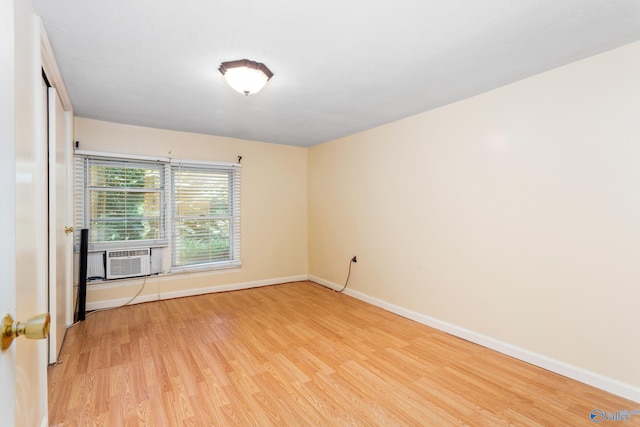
<point x="591" y="378"/>
<point x="112" y="303"/>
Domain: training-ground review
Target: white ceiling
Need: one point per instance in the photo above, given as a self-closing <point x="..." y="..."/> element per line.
<point x="341" y="66"/>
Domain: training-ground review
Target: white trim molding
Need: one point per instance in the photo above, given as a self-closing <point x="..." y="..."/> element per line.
<point x="158" y="296"/>
<point x="584" y="376"/>
<point x="51" y="69"/>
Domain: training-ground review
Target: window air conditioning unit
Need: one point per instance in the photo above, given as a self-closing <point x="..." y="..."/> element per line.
<point x="128" y="263"/>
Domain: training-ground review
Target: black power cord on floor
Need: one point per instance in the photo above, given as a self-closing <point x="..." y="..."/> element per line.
<point x="351" y="261"/>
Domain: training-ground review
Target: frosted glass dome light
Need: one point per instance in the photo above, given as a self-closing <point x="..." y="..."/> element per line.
<point x="245" y="76"/>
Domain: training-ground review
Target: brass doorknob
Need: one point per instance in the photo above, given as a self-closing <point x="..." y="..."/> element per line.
<point x="68" y="229"/>
<point x="36" y="328"/>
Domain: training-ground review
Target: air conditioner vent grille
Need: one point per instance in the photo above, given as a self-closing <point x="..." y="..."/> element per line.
<point x="128" y="263"/>
<point x="132" y="252"/>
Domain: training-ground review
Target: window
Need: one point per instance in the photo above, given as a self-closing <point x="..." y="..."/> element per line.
<point x="192" y="209"/>
<point x="124" y="200"/>
<point x="204" y="215"/>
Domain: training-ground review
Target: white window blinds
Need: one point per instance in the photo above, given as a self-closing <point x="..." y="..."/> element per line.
<point x="193" y="208"/>
<point x="205" y="215"/>
<point x="122" y="200"/>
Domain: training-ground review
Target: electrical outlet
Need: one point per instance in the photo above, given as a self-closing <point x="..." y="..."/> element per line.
<point x="354" y="259"/>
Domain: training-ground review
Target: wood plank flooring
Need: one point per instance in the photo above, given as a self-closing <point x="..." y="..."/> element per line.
<point x="297" y="354"/>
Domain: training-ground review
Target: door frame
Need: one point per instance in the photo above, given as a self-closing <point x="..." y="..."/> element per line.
<point x="55" y="80"/>
<point x="60" y="243"/>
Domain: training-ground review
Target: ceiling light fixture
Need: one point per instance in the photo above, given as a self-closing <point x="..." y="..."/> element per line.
<point x="245" y="76"/>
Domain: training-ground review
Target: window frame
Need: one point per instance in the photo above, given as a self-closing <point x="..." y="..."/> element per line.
<point x="233" y="169"/>
<point x="125" y="163"/>
<point x="82" y="220"/>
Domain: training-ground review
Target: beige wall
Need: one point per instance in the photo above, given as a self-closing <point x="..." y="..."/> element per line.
<point x="514" y="214"/>
<point x="274" y="207"/>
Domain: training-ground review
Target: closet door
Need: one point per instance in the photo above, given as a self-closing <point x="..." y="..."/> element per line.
<point x="60" y="231"/>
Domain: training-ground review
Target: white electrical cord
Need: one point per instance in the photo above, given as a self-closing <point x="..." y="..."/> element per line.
<point x="144" y="282"/>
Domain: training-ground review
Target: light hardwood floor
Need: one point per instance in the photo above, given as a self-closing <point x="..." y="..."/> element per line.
<point x="297" y="354"/>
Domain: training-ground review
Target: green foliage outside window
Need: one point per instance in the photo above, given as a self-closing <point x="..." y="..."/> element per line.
<point x="125" y="203"/>
<point x="202" y="216"/>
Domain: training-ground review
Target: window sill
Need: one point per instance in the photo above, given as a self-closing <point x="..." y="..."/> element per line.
<point x="213" y="266"/>
<point x="125" y="281"/>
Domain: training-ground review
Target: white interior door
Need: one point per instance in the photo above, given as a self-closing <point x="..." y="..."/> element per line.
<point x="7" y="211"/>
<point x="60" y="239"/>
<point x="23" y="382"/>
